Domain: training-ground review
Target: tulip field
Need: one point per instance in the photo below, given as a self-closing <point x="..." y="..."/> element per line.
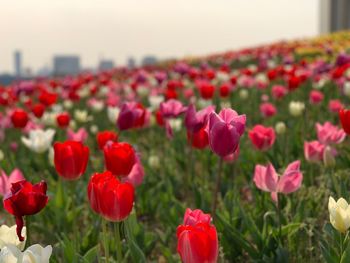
<point x="239" y="156"/>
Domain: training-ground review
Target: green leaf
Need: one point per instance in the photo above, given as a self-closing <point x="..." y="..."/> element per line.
<point x="91" y="255"/>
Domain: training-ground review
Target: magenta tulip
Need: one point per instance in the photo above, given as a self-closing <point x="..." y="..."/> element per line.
<point x="225" y="131"/>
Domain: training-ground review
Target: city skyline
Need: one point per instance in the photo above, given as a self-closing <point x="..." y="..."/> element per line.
<point x="118" y="29"/>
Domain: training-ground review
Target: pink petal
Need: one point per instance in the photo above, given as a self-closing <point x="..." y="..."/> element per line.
<point x="290" y="182"/>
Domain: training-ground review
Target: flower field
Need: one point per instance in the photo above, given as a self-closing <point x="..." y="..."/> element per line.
<point x="240" y="156"/>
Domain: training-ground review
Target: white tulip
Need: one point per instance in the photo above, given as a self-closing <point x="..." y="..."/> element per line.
<point x="142" y="91"/>
<point x="39" y="140"/>
<point x="33" y="254"/>
<point x="82" y="116"/>
<point x="175" y="124"/>
<point x="8" y="236"/>
<point x="68" y="104"/>
<point x="97" y="106"/>
<point x="2" y="155"/>
<point x="280" y="127"/>
<point x="339" y="214"/>
<point x="347" y="89"/>
<point x="222" y="76"/>
<point x="155" y="101"/>
<point x="49" y="119"/>
<point x="113" y="113"/>
<point x="51" y="156"/>
<point x="84" y="92"/>
<point x="201" y="103"/>
<point x="296" y="108"/>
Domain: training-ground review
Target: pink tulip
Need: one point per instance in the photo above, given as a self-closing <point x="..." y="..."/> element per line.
<point x="268" y="109"/>
<point x="316" y="97"/>
<point x="262" y="137"/>
<point x="6" y="181"/>
<point x="135" y="177"/>
<point x="79" y="136"/>
<point x="266" y="179"/>
<point x="313" y="151"/>
<point x="225" y="131"/>
<point x="193" y="217"/>
<point x="171" y="108"/>
<point x="194" y="121"/>
<point x="279" y="91"/>
<point x="232" y="157"/>
<point x="329" y="133"/>
<point x="335" y="106"/>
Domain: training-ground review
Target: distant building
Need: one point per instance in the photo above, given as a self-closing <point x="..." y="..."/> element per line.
<point x="106" y="64"/>
<point x="149" y="60"/>
<point x="334" y="15"/>
<point x="18" y="63"/>
<point x="6" y="79"/>
<point x="66" y="65"/>
<point x="131" y="62"/>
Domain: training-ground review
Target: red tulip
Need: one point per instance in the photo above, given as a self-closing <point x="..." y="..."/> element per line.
<point x="224" y="90"/>
<point x="119" y="158"/>
<point x="25" y="199"/>
<point x="344" y="116"/>
<point x="19" y="118"/>
<point x="38" y="110"/>
<point x="109" y="197"/>
<point x="262" y="137"/>
<point x="48" y="98"/>
<point x="197" y="239"/>
<point x="63" y="120"/>
<point x="105" y="136"/>
<point x="70" y="159"/>
<point x="206" y="90"/>
<point x="199" y="139"/>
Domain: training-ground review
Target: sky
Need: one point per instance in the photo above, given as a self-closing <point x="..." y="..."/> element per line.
<point x="117" y="29"/>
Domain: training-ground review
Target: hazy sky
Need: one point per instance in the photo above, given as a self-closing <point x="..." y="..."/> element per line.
<point x="117" y="29"/>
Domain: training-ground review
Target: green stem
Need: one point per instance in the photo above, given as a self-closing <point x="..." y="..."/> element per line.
<point x="279" y="218"/>
<point x="217" y="186"/>
<point x="118" y="240"/>
<point x="105" y="240"/>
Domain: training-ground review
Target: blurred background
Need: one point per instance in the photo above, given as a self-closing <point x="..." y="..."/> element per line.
<point x="59" y="37"/>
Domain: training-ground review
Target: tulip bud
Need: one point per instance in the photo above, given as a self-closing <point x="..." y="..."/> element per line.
<point x="67" y="104"/>
<point x="347" y="89"/>
<point x="243" y="94"/>
<point x="153" y="161"/>
<point x="280" y="127"/>
<point x="113" y="113"/>
<point x="93" y="129"/>
<point x="2" y="156"/>
<point x="328" y="157"/>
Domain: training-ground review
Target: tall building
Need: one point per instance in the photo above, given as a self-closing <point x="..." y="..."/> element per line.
<point x="66" y="65"/>
<point x="149" y="60"/>
<point x="106" y="64"/>
<point x="131" y="62"/>
<point x="334" y="15"/>
<point x="18" y="63"/>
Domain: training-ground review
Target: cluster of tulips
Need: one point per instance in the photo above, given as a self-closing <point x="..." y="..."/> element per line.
<point x="102" y="167"/>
